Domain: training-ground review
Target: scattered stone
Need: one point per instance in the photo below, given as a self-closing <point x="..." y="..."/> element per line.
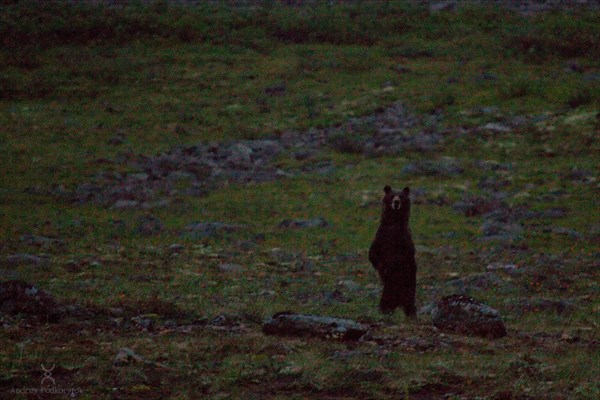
<point x="230" y="268"/>
<point x="202" y="230"/>
<point x="176" y="248"/>
<point x="19" y="297"/>
<point x="22" y="259"/>
<point x="501" y="231"/>
<point x="559" y="230"/>
<point x="439" y="6"/>
<point x="496" y="127"/>
<point x="497" y="266"/>
<point x="465" y="315"/>
<point x="349" y="285"/>
<point x="289" y="324"/>
<point x="318" y="222"/>
<point x="493" y="183"/>
<point x="41" y="241"/>
<point x="149" y="225"/>
<point x="125" y="205"/>
<point x="487" y="76"/>
<point x="443" y="167"/>
<point x="126" y="356"/>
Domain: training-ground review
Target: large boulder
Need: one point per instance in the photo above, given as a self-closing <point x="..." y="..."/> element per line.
<point x="463" y="314"/>
<point x="289" y="324"/>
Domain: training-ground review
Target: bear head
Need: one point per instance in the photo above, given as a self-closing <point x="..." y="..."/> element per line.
<point x="395" y="205"/>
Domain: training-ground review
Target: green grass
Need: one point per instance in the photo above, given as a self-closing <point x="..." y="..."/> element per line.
<point x="73" y="77"/>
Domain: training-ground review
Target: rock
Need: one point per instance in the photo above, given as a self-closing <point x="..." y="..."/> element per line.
<point x="501" y="231"/>
<point x="289" y="324"/>
<point x="497" y="266"/>
<point x="240" y="156"/>
<point x="125" y="205"/>
<point x="19" y="297"/>
<point x="175" y="248"/>
<point x="22" y="259"/>
<point x="559" y="230"/>
<point x="443" y="167"/>
<point x="149" y="225"/>
<point x="41" y="241"/>
<point x="465" y="315"/>
<point x="127" y="356"/>
<point x="349" y="285"/>
<point x="487" y="76"/>
<point x="318" y="222"/>
<point x="230" y="268"/>
<point x="202" y="230"/>
<point x="435" y="7"/>
<point x="496" y="127"/>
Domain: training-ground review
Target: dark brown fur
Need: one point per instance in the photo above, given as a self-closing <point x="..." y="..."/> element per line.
<point x="392" y="254"/>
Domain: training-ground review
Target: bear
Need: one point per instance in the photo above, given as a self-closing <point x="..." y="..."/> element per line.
<point x="392" y="254"/>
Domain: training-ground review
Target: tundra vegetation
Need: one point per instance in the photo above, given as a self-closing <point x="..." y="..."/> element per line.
<point x="174" y="175"/>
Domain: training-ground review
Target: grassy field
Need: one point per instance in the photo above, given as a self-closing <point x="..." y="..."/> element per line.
<point x="515" y="99"/>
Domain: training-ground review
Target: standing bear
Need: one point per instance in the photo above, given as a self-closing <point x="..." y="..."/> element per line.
<point x="392" y="254"/>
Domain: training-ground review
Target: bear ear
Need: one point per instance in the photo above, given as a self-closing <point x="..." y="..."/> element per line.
<point x="387" y="189"/>
<point x="406" y="190"/>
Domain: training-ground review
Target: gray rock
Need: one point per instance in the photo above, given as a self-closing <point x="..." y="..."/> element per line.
<point x="465" y="315"/>
<point x="202" y="230"/>
<point x="501" y="231"/>
<point x="230" y="268"/>
<point x="41" y="241"/>
<point x="497" y="266"/>
<point x="559" y="230"/>
<point x="22" y="259"/>
<point x="289" y="324"/>
<point x="438" y="6"/>
<point x="318" y="222"/>
<point x="496" y="127"/>
<point x="487" y="76"/>
<point x="127" y="356"/>
<point x="349" y="285"/>
<point x="125" y="205"/>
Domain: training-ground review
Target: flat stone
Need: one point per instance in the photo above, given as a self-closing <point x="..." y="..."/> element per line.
<point x="230" y="268"/>
<point x="318" y="222"/>
<point x="125" y="204"/>
<point x="496" y="127"/>
<point x="201" y="230"/>
<point x="22" y="259"/>
<point x="465" y="315"/>
<point x="289" y="324"/>
<point x="497" y="266"/>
